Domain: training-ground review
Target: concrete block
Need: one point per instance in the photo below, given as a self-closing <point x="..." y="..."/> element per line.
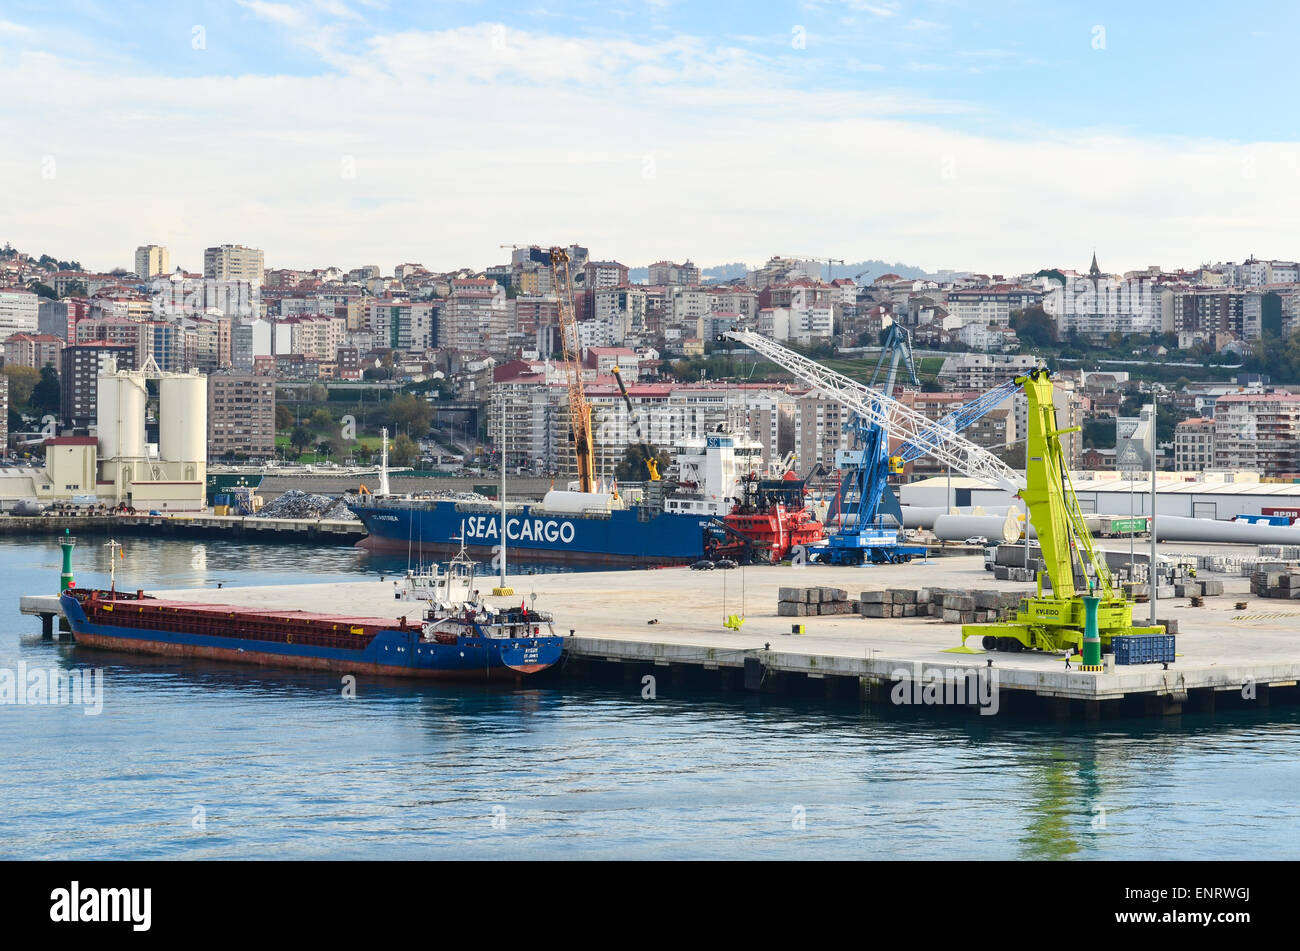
<point x="909" y="610"/>
<point x="957" y="602"/>
<point x="790" y="594"/>
<point x="834" y="594"/>
<point x="791" y="609"/>
<point x="812" y="595"/>
<point x="872" y="597"/>
<point x="1001" y="572"/>
<point x="951" y="617"/>
<point x="923" y="596"/>
<point x="987" y="599"/>
<point x="1212" y="589"/>
<point x="877" y="610"/>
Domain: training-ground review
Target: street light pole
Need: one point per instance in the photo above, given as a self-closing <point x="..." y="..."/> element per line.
<point x="1151" y="581"/>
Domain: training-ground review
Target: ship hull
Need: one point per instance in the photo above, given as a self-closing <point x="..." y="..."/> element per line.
<point x="623" y="537"/>
<point x="391" y="653"/>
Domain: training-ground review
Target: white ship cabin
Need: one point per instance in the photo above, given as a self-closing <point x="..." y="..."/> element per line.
<point x="710" y="470"/>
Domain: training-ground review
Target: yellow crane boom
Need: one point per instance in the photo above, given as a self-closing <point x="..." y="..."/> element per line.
<point x="579" y="409"/>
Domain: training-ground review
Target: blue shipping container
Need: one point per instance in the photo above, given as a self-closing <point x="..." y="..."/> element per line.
<point x="1143" y="648"/>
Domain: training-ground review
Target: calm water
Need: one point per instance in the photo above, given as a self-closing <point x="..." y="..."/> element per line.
<point x="197" y="760"/>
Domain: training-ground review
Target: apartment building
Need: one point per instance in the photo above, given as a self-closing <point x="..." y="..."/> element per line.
<point x="667" y="272"/>
<point x="79" y="378"/>
<point x="151" y="260"/>
<point x="33" y="350"/>
<point x="474" y="317"/>
<point x="1258" y="432"/>
<point x="1194" y="444"/>
<point x="235" y="262"/>
<point x="989" y="306"/>
<point x="19" y="311"/>
<point x="241" y="415"/>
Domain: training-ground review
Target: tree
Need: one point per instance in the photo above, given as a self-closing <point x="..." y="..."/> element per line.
<point x="403" y="451"/>
<point x="75" y="289"/>
<point x="1034" y="326"/>
<point x="47" y="394"/>
<point x="44" y="290"/>
<point x="409" y="414"/>
<point x="283" y="416"/>
<point x="320" y="420"/>
<point x="22" y="380"/>
<point x="300" y="438"/>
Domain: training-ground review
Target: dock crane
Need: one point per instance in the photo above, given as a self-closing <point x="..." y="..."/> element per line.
<point x="870" y="517"/>
<point x="1084" y="611"/>
<point x="651" y="463"/>
<point x="580" y="432"/>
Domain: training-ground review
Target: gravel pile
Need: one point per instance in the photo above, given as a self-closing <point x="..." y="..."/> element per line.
<point x="296" y="504"/>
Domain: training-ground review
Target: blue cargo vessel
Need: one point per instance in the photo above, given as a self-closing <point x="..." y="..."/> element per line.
<point x="458" y="637"/>
<point x="667" y="523"/>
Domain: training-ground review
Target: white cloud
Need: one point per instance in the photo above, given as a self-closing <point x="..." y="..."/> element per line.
<point x="459" y="147"/>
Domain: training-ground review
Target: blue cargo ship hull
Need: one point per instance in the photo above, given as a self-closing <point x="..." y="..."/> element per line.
<point x="390" y="652"/>
<point x="634" y="536"/>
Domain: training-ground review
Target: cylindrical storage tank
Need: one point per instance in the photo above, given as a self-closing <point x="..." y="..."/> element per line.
<point x="560" y="502"/>
<point x="119" y="415"/>
<point x="996" y="528"/>
<point x="183" y="418"/>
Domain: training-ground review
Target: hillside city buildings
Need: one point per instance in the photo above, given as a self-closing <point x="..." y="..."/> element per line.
<point x="490" y="342"/>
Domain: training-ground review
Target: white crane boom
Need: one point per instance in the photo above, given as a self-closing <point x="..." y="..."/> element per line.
<point x="898" y="420"/>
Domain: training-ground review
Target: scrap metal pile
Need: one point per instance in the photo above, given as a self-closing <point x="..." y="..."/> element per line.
<point x="296" y="504"/>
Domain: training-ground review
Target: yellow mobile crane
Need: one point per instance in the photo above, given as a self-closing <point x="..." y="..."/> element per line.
<point x="579" y="409"/>
<point x="1084" y="608"/>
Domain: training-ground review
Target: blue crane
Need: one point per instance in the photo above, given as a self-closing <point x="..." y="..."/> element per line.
<point x="870" y="516"/>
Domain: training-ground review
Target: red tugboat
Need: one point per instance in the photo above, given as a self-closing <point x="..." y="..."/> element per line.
<point x="770" y="520"/>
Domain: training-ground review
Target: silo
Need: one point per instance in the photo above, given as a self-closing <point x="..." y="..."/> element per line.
<point x="119" y="415"/>
<point x="183" y="418"/>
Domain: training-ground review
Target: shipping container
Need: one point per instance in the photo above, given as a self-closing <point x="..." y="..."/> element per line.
<point x="1143" y="648"/>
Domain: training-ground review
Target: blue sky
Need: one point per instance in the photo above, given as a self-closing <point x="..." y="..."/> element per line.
<point x="988" y="135"/>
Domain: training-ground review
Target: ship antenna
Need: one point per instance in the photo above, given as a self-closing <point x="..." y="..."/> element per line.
<point x="113" y="547"/>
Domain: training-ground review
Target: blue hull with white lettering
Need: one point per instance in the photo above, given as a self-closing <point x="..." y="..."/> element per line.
<point x="634" y="536"/>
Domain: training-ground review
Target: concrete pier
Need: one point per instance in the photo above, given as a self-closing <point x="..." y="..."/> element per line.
<point x="313" y="530"/>
<point x="669" y="623"/>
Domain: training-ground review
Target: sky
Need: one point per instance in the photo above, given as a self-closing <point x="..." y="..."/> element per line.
<point x="998" y="136"/>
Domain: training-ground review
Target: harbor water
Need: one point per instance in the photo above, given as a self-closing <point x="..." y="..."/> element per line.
<point x="190" y="759"/>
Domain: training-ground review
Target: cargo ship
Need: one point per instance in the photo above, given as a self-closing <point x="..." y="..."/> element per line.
<point x="458" y="636"/>
<point x="663" y="522"/>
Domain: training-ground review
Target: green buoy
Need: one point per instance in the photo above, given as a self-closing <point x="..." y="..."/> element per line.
<point x="67" y="543"/>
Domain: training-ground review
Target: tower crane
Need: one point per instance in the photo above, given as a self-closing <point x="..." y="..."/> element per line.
<point x="580" y="431"/>
<point x="1083" y="611"/>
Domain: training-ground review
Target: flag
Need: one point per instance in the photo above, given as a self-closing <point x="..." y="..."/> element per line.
<point x="121" y="553"/>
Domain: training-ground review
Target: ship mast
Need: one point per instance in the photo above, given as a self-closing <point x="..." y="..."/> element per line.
<point x="113" y="548"/>
<point x="383" y="463"/>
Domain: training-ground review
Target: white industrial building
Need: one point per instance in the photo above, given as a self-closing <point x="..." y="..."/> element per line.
<point x="1219" y="495"/>
<point x="116" y="466"/>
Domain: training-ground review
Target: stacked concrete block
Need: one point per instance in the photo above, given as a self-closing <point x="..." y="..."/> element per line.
<point x="813" y="602"/>
<point x="1276" y="583"/>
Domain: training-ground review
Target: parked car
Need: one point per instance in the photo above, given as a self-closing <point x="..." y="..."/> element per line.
<point x="725" y="563"/>
<point x="704" y="565"/>
<point x="978" y="540"/>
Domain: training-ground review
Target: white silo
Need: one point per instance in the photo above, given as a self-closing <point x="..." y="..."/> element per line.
<point x="119" y="414"/>
<point x="183" y="417"/>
